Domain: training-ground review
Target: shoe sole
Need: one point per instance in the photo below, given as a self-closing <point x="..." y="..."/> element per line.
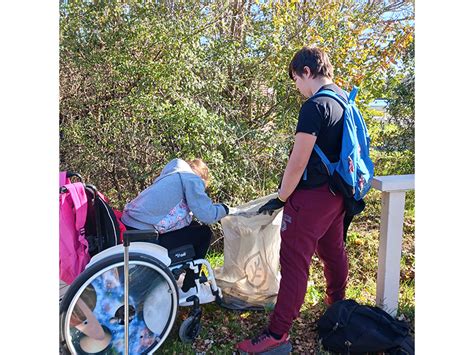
<point x="284" y="348"/>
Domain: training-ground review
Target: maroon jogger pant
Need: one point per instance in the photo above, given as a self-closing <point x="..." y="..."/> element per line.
<point x="312" y="223"/>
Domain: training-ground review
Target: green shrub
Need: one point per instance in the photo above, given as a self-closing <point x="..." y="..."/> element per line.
<point x="144" y="82"/>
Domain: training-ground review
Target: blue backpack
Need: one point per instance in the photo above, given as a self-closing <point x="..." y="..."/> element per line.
<point x="353" y="173"/>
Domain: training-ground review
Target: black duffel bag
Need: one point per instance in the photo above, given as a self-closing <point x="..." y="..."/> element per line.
<point x="350" y="328"/>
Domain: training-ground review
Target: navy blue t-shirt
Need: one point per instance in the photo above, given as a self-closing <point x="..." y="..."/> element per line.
<point x="321" y="117"/>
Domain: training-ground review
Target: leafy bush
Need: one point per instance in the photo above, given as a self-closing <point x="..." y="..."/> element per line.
<point x="144" y="82"/>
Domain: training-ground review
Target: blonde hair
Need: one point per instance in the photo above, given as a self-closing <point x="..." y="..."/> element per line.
<point x="200" y="168"/>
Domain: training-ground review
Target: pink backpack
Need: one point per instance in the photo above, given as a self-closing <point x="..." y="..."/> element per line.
<point x="73" y="245"/>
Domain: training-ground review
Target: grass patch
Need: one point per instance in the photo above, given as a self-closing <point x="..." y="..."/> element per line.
<point x="215" y="258"/>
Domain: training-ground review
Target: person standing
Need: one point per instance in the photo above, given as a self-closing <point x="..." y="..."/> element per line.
<point x="313" y="211"/>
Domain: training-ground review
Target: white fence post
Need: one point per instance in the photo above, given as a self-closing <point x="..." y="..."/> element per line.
<point x="391" y="230"/>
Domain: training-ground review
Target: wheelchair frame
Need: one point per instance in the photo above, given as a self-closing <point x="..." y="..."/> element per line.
<point x="133" y="242"/>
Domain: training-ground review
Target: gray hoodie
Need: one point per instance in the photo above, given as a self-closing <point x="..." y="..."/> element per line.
<point x="176" y="195"/>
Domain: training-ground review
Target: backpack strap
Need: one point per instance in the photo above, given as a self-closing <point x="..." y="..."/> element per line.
<point x="353" y="94"/>
<point x="332" y="94"/>
<point x="324" y="158"/>
<point x="344" y="103"/>
<point x="79" y="199"/>
<point x="63" y="180"/>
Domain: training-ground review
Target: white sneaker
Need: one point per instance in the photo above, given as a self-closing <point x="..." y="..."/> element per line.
<point x="205" y="295"/>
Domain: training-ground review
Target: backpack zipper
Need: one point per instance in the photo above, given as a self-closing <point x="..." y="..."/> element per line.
<point x="348" y="344"/>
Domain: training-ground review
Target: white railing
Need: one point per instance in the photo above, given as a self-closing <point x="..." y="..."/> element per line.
<point x="393" y="190"/>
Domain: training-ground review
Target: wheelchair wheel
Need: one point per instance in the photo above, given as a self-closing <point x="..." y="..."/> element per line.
<point x="92" y="311"/>
<point x="189" y="329"/>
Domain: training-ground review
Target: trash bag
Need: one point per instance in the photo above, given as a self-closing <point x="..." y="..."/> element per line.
<point x="250" y="277"/>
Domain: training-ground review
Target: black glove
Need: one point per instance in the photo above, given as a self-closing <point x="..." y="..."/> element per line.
<point x="271" y="206"/>
<point x="226" y="208"/>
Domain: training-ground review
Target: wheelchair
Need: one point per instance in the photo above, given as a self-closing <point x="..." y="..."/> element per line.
<point x="127" y="298"/>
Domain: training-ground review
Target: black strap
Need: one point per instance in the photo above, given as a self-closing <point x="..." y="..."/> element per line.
<point x="406" y="347"/>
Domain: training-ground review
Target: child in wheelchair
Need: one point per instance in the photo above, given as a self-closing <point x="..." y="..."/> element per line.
<point x="168" y="206"/>
<point x="167" y="244"/>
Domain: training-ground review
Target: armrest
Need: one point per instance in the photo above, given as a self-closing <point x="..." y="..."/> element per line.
<point x="139" y="235"/>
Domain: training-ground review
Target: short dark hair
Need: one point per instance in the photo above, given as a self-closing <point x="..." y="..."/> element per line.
<point x="313" y="58"/>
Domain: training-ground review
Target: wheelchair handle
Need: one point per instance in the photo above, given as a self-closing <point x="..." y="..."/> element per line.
<point x="139" y="235"/>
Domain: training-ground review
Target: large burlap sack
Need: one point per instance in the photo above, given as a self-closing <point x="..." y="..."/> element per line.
<point x="250" y="276"/>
